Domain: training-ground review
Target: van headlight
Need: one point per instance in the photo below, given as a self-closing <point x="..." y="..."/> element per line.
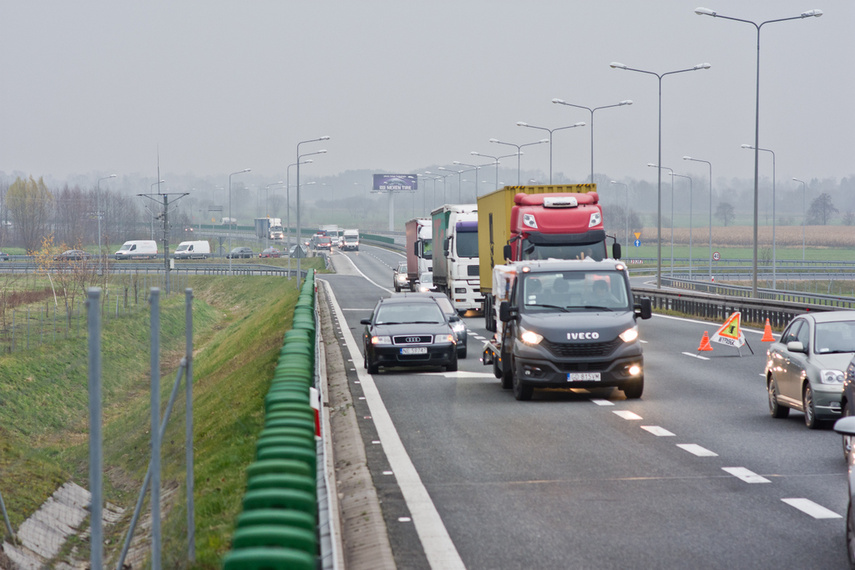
<point x="458" y="326"/>
<point x="629" y="335"/>
<point x="530" y="337"/>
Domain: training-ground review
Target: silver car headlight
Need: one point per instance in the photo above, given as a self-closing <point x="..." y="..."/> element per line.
<point x="440" y="338"/>
<point x="381" y="340"/>
<point x="831" y="376"/>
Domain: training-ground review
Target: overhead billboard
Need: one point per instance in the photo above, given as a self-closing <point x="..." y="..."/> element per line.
<point x="396" y="182"/>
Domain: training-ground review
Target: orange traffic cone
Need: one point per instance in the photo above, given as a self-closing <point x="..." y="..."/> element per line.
<point x="705" y="343"/>
<point x="767" y="333"/>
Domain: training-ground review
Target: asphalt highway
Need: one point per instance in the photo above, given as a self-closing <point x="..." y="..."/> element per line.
<point x="695" y="474"/>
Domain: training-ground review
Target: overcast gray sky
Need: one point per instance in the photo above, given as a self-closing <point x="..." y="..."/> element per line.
<point x="218" y="86"/>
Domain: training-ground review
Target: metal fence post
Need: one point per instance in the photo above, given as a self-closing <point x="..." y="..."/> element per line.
<point x="188" y="444"/>
<point x="155" y="431"/>
<point x="96" y="541"/>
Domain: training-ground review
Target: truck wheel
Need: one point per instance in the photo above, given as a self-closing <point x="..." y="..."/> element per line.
<point x="522" y="390"/>
<point x="633" y="390"/>
<point x="497" y="372"/>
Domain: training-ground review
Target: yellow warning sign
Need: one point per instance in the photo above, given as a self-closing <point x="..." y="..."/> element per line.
<point x="637" y="235"/>
<point x="730" y="332"/>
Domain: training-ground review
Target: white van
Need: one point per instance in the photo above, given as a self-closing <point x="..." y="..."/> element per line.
<point x="138" y="249"/>
<point x="193" y="250"/>
<point x="350" y="240"/>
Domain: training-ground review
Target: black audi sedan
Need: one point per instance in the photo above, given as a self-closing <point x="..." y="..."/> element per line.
<point x="408" y="331"/>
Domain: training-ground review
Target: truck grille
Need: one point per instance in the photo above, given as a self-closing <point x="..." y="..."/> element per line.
<point x="579" y="349"/>
<point x="412" y="339"/>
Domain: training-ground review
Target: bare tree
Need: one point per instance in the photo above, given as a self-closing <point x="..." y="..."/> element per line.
<point x="29" y="202"/>
<point x="821" y="210"/>
<point x="726" y="213"/>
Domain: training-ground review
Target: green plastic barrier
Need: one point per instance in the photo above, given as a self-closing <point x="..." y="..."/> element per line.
<point x="275" y="536"/>
<point x="297" y="519"/>
<point x="265" y="558"/>
<point x="266" y="466"/>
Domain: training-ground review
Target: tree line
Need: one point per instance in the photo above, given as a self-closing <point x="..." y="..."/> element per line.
<point x="30" y="211"/>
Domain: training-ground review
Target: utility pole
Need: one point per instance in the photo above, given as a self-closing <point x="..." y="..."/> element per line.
<point x="163" y="199"/>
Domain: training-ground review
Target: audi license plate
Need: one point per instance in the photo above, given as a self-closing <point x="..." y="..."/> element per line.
<point x="583" y="377"/>
<point x="414" y="350"/>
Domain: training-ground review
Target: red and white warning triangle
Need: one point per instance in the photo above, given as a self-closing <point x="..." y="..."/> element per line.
<point x="730" y="333"/>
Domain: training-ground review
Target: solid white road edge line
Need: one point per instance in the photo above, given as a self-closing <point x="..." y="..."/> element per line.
<point x="698" y="356"/>
<point x="813" y="509"/>
<point x="439" y="549"/>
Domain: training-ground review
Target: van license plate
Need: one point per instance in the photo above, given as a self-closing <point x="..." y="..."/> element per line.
<point x="414" y="350"/>
<point x="583" y="377"/>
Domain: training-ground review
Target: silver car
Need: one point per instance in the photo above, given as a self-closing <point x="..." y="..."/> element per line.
<point x="846" y="427"/>
<point x="805" y="367"/>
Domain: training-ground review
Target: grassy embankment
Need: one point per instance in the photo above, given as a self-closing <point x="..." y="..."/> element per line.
<point x="239" y="324"/>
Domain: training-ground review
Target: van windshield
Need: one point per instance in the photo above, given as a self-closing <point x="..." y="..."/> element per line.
<point x="575" y="291"/>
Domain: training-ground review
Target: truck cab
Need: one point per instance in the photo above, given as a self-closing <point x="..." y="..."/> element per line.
<point x="569" y="324"/>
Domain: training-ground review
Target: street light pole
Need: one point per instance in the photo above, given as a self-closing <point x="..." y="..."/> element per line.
<point x="626" y="212"/>
<point x="288" y="202"/>
<point x="299" y="156"/>
<point x="477" y="168"/>
<point x="659" y="76"/>
<point x="230" y="215"/>
<point x="712" y="13"/>
<point x="550" y="131"/>
<point x="774" y="262"/>
<point x="519" y="151"/>
<point x="804" y="214"/>
<point x="690" y="218"/>
<point x="98" y="214"/>
<point x="710" y="165"/>
<point x="563" y="102"/>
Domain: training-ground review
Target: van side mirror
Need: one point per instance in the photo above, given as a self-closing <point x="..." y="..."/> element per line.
<point x="506" y="251"/>
<point x="365" y="322"/>
<point x="507" y="312"/>
<point x="616" y="251"/>
<point x="644" y="308"/>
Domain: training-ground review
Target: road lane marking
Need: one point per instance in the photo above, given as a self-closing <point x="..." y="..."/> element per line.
<point x="367" y="278"/>
<point x="745" y="475"/>
<point x="698" y="356"/>
<point x="601" y="402"/>
<point x="697" y="450"/>
<point x="438" y="546"/>
<point x="810" y="508"/>
<point x="657" y="431"/>
<point x="627" y="415"/>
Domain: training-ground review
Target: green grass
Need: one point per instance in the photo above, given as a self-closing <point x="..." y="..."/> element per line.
<point x="701" y="252"/>
<point x="239" y="325"/>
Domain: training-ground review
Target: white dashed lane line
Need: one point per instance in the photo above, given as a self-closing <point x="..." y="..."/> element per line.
<point x="697" y="450"/>
<point x="627" y="415"/>
<point x="657" y="431"/>
<point x="810" y="508"/>
<point x="745" y="475"/>
<point x="601" y="402"/>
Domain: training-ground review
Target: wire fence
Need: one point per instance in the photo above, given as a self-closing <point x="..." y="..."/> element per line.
<point x="31" y="325"/>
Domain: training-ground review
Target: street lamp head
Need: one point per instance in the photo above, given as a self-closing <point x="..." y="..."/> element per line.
<point x="112" y="176"/>
<point x="626" y="102"/>
<point x="616" y="65"/>
<point x="579" y="125"/>
<point x="702" y="66"/>
<point x="456" y="162"/>
<point x="475" y="152"/>
<point x="522" y="124"/>
<point x="705" y="12"/>
<point x="651" y="165"/>
<point x="246" y="170"/>
<point x="494" y="140"/>
<point x="812" y="14"/>
<point x="746" y="146"/>
<point x="322" y="151"/>
<point x="324" y="138"/>
<point x="556" y="100"/>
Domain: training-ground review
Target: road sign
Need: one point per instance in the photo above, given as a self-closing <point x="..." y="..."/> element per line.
<point x="637" y="243"/>
<point x="716" y="256"/>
